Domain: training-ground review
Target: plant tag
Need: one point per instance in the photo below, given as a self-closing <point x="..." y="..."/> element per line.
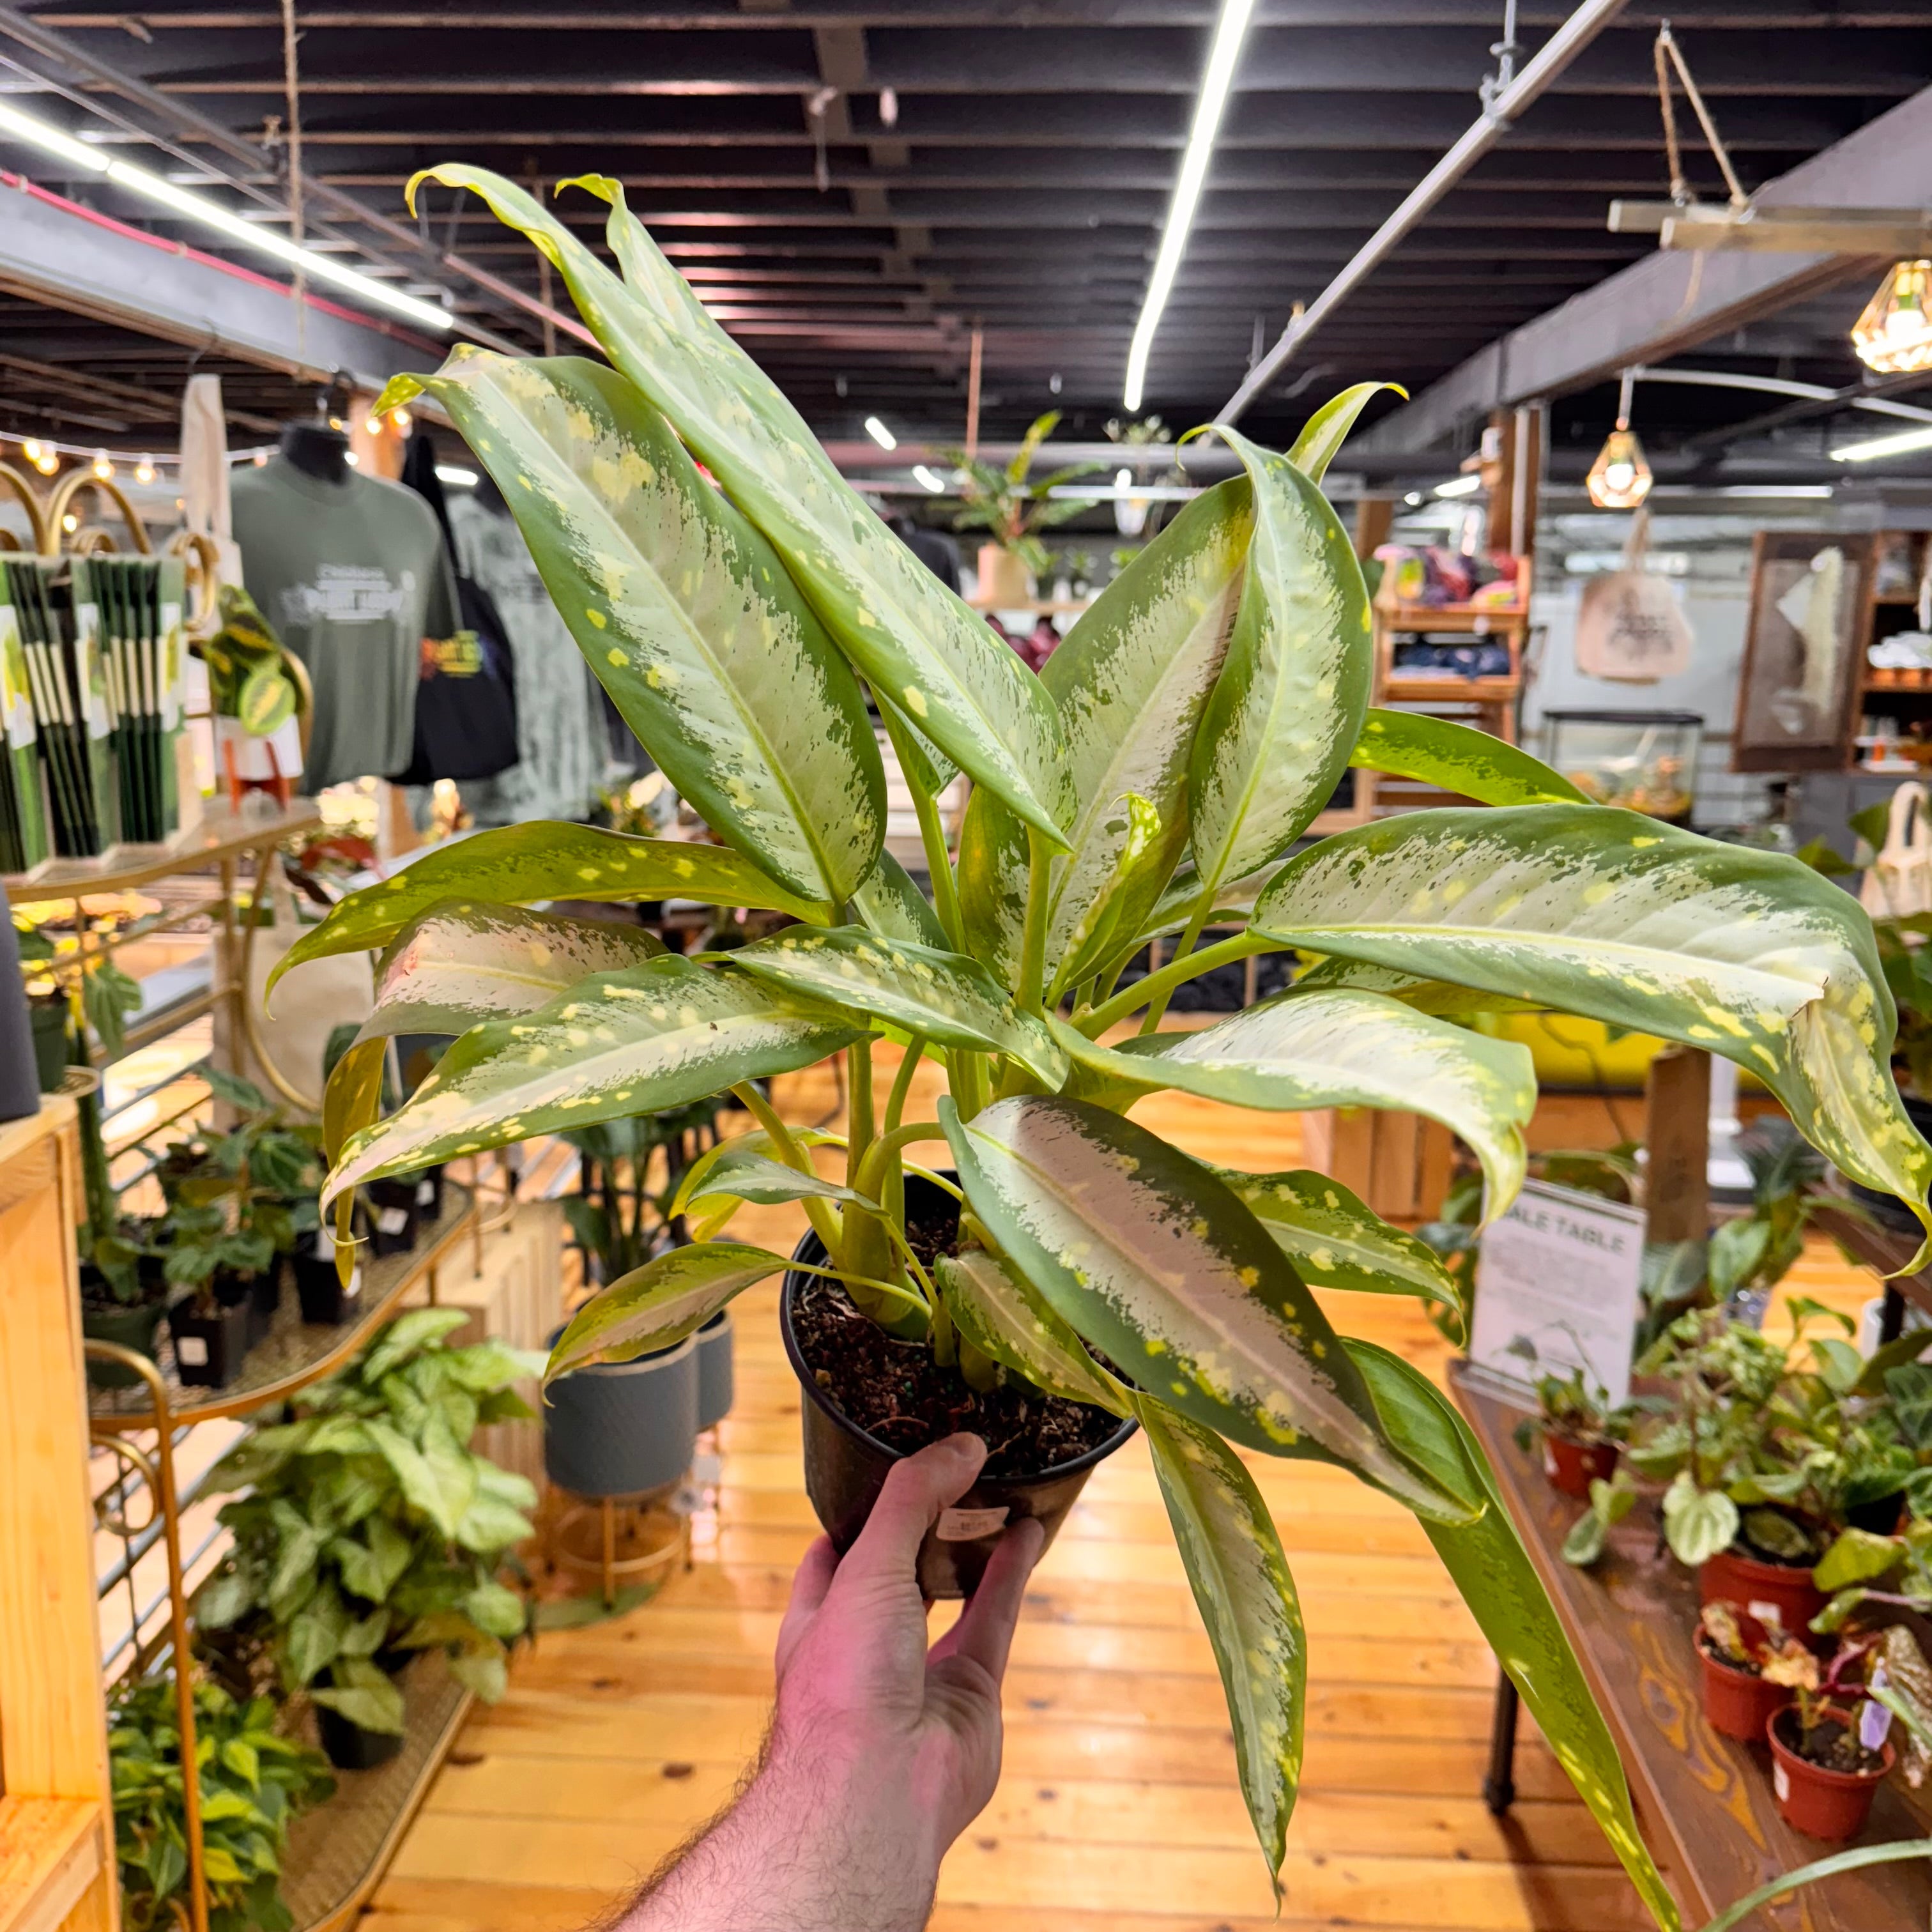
<point x="1874" y="1724"/>
<point x="191" y="1350"/>
<point x="968" y="1526"/>
<point x="1769" y="1615"/>
<point x="425" y="1192"/>
<point x="392" y="1220"/>
<point x="1780" y="1781"/>
<point x="325" y="1246"/>
<point x="355" y="1287"/>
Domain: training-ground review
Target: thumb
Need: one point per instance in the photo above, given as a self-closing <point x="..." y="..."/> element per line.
<point x="915" y="1490"/>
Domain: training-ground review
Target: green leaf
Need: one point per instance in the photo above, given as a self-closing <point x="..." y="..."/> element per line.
<point x="364" y="1693"/>
<point x="422" y="1487"/>
<point x="684" y="611"/>
<point x="1335" y="1240"/>
<point x="1004" y="1317"/>
<point x="1697" y="1523"/>
<point x="696" y="1179"/>
<point x="521" y="865"/>
<point x="492" y="1525"/>
<point x="266" y="700"/>
<point x="313" y="1635"/>
<point x="1326" y="431"/>
<point x="1629" y="921"/>
<point x="483" y="1672"/>
<point x="1865" y="1855"/>
<point x="1131" y="679"/>
<point x="1240" y="1578"/>
<point x="1344" y="1049"/>
<point x="1160" y="1266"/>
<point x="889" y="904"/>
<point x="453" y="1470"/>
<point x="240" y="1756"/>
<point x="945" y="996"/>
<point x="1285" y="713"/>
<point x="463" y="963"/>
<point x="1411" y="745"/>
<point x="1908" y="1387"/>
<point x="420" y="1328"/>
<point x="1736" y="1250"/>
<point x="1495" y="1578"/>
<point x="1857" y="1556"/>
<point x="661" y="1035"/>
<point x="497" y="1608"/>
<point x="659" y="1304"/>
<point x="909" y="635"/>
<point x="748" y="1174"/>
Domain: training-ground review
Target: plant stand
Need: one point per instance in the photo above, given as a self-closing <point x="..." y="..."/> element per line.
<point x="619" y="1540"/>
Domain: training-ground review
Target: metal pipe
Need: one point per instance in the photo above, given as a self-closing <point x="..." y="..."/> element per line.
<point x="1555" y="54"/>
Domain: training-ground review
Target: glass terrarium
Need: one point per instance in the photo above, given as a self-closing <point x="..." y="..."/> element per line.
<point x="1643" y="760"/>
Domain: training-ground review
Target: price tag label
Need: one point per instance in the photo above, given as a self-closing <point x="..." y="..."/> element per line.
<point x="392" y="1220"/>
<point x="968" y="1526"/>
<point x="191" y="1350"/>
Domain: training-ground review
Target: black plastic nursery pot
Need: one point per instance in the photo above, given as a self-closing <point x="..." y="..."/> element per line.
<point x="349" y="1747"/>
<point x="48" y="1018"/>
<point x="845" y="1467"/>
<point x="108" y="1320"/>
<point x="265" y="1301"/>
<point x="325" y="1301"/>
<point x="392" y="1215"/>
<point x="209" y="1349"/>
<point x="428" y="1186"/>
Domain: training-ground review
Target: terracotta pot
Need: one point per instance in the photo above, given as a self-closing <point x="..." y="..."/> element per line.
<point x="1779" y="1593"/>
<point x="1570" y="1466"/>
<point x="1002" y="577"/>
<point x="1737" y="1703"/>
<point x="1833" y="1805"/>
<point x="845" y="1468"/>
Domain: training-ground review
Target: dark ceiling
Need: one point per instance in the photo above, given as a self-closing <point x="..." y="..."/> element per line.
<point x="1025" y="177"/>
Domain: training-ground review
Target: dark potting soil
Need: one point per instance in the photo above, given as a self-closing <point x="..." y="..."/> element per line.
<point x="1831" y="1747"/>
<point x="894" y="1391"/>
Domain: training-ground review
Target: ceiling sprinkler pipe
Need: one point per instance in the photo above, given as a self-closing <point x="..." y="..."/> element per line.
<point x="1556" y="53"/>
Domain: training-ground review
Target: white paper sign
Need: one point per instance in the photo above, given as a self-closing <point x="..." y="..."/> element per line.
<point x="1561" y="1272"/>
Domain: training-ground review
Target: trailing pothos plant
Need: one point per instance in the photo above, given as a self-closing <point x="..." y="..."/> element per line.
<point x="1153" y="778"/>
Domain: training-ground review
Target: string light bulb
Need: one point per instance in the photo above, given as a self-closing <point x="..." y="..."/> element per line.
<point x="1620" y="477"/>
<point x="46" y="462"/>
<point x="144" y="470"/>
<point x="104" y="467"/>
<point x="31" y="449"/>
<point x="1894" y="335"/>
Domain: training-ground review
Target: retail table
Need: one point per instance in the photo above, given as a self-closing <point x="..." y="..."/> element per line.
<point x="1704" y="1802"/>
<point x="1883" y="1249"/>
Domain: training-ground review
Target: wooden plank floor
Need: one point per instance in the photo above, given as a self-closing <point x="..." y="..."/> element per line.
<point x="1118" y="1811"/>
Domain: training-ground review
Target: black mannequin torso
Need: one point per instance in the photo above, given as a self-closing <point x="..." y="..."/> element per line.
<point x="316" y="451"/>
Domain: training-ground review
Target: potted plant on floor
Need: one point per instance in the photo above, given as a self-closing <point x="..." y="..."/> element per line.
<point x="1582" y="1434"/>
<point x="1076" y="1276"/>
<point x="253" y="1783"/>
<point x="370" y="1530"/>
<point x="1013" y="506"/>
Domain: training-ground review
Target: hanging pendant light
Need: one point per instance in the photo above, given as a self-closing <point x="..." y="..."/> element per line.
<point x="1894" y="336"/>
<point x="1620" y="478"/>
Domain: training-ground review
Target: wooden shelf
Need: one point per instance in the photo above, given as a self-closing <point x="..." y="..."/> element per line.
<point x="295" y="1352"/>
<point x="1401" y="688"/>
<point x="223" y="834"/>
<point x="1037" y="606"/>
<point x="51" y="1851"/>
<point x="1406" y="617"/>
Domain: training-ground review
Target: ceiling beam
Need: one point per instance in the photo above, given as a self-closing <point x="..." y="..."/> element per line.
<point x="1665" y="303"/>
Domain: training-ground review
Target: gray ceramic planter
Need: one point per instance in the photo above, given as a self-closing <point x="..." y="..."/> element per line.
<point x="715" y="1386"/>
<point x="622" y="1428"/>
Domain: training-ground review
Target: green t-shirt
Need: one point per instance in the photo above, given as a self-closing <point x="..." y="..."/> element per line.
<point x="353" y="577"/>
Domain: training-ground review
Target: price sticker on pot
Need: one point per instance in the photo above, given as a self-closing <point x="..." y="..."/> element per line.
<point x="1557" y="1288"/>
<point x="392" y="1220"/>
<point x="968" y="1526"/>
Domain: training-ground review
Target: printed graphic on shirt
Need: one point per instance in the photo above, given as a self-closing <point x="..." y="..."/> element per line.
<point x="346" y="593"/>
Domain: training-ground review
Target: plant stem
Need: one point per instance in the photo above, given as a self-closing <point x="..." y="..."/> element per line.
<point x="1033" y="944"/>
<point x="939" y="867"/>
<point x="1159" y="986"/>
<point x="858" y="1080"/>
<point x="823" y="1216"/>
<point x="866" y="1175"/>
<point x="902" y="1082"/>
<point x="1189" y="938"/>
<point x="896" y="1289"/>
<point x="966" y="1076"/>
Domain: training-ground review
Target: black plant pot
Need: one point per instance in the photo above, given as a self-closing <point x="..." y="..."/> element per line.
<point x="392" y="1205"/>
<point x="715" y="1380"/>
<point x="110" y="1321"/>
<point x="350" y="1748"/>
<point x="209" y="1349"/>
<point x="48" y="1018"/>
<point x="622" y="1428"/>
<point x="324" y="1299"/>
<point x="1888" y="1208"/>
<point x="845" y="1468"/>
<point x="265" y="1302"/>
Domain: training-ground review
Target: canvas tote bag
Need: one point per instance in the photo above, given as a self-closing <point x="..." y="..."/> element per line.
<point x="1630" y="627"/>
<point x="1899" y="884"/>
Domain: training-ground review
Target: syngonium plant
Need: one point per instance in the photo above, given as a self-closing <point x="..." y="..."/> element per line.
<point x="1151" y="780"/>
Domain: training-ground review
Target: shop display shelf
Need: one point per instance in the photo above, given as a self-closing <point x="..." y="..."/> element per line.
<point x="296" y="1353"/>
<point x="1472" y="617"/>
<point x="1401" y="688"/>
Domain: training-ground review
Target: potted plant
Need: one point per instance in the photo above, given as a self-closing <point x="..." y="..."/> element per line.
<point x="1750" y="1668"/>
<point x="1830" y="1746"/>
<point x="1073" y="1276"/>
<point x="253" y="1782"/>
<point x="1582" y="1434"/>
<point x="369" y="1529"/>
<point x="1014" y="506"/>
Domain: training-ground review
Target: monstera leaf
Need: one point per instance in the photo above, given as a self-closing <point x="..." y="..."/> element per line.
<point x="1746" y="953"/>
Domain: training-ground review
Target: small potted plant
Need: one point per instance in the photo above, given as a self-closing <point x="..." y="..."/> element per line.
<point x="1582" y="1434"/>
<point x="1013" y="507"/>
<point x="1831" y="1746"/>
<point x="1750" y="1668"/>
<point x="218" y="1265"/>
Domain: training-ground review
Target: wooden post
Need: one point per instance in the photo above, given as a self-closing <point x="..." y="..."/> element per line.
<point x="1375" y="516"/>
<point x="972" y="392"/>
<point x="1677" y="1142"/>
<point x="1513" y="484"/>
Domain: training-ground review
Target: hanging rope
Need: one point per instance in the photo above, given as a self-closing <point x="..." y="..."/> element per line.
<point x="292" y="88"/>
<point x="1666" y="47"/>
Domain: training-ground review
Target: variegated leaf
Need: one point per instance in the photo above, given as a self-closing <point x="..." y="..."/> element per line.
<point x="1278" y="729"/>
<point x="1496" y="1579"/>
<point x="684" y="612"/>
<point x="1426" y="996"/>
<point x="1006" y="1318"/>
<point x="657" y="1305"/>
<point x="746" y="1174"/>
<point x="757" y="1142"/>
<point x="1122" y="899"/>
<point x="1155" y="1262"/>
<point x="1335" y="1240"/>
<point x="889" y="904"/>
<point x="1437" y="752"/>
<point x="910" y="636"/>
<point x="1345" y="1049"/>
<point x="1327" y="429"/>
<point x="1131" y="681"/>
<point x="1239" y="1574"/>
<point x="944" y="996"/>
<point x="658" y="1036"/>
<point x="1747" y="953"/>
<point x="353" y="1096"/>
<point x="462" y="963"/>
<point x="1234" y="903"/>
<point x="523" y="865"/>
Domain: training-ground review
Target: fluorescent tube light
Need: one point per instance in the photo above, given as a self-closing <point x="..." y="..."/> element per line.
<point x="1459" y="486"/>
<point x="880" y="434"/>
<point x="52" y="140"/>
<point x="1770" y="490"/>
<point x="1222" y="54"/>
<point x="1903" y="444"/>
<point x="449" y="472"/>
<point x="930" y="479"/>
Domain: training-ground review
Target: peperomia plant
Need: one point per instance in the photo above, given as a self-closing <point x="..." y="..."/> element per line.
<point x="1154" y="777"/>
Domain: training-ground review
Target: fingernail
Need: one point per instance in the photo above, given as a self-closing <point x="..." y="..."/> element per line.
<point x="965" y="1443"/>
